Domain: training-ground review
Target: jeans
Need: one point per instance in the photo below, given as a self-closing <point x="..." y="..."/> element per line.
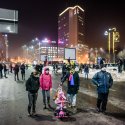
<point x="72" y="99"/>
<point x="86" y="75"/>
<point x="102" y="101"/>
<point x="32" y="102"/>
<point x="46" y="94"/>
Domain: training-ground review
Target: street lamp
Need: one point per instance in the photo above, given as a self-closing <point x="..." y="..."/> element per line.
<point x="96" y="51"/>
<point x="37" y="40"/>
<point x="107" y="33"/>
<point x="115" y="38"/>
<point x="39" y="51"/>
<point x="32" y="52"/>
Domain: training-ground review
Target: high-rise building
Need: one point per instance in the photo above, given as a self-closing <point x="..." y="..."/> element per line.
<point x="71" y="29"/>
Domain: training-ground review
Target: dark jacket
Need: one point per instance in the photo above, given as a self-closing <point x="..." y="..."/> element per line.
<point x="5" y="68"/>
<point x="64" y="68"/>
<point x="103" y="80"/>
<point x="1" y="67"/>
<point x="86" y="69"/>
<point x="22" y="68"/>
<point x="32" y="84"/>
<point x="72" y="89"/>
<point x="16" y="69"/>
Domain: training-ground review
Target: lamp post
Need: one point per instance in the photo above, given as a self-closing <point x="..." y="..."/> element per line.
<point x="36" y="39"/>
<point x="39" y="53"/>
<point x="111" y="40"/>
<point x="96" y="51"/>
<point x="107" y="33"/>
<point x="27" y="49"/>
<point x="32" y="52"/>
<point x="46" y="41"/>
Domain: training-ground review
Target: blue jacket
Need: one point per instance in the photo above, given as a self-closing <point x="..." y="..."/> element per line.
<point x="103" y="80"/>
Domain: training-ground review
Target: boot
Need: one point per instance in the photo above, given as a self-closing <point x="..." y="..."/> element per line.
<point x="74" y="109"/>
<point x="29" y="111"/>
<point x="48" y="101"/>
<point x="44" y="106"/>
<point x="34" y="110"/>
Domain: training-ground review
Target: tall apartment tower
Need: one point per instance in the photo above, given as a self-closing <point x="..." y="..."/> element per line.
<point x="71" y="28"/>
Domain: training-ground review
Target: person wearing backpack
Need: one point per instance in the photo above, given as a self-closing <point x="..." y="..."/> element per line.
<point x="45" y="86"/>
<point x="32" y="86"/>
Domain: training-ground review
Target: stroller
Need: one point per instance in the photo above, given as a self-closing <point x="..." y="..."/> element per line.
<point x="60" y="101"/>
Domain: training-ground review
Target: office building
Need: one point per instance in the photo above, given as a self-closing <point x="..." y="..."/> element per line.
<point x="71" y="30"/>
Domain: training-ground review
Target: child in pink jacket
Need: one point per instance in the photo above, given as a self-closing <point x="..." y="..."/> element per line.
<point x="45" y="86"/>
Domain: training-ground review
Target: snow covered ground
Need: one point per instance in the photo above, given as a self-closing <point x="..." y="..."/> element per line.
<point x="116" y="76"/>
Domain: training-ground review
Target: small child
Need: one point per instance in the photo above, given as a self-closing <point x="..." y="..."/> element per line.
<point x="60" y="101"/>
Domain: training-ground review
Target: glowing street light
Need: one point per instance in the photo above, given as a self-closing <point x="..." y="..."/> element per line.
<point x="112" y="36"/>
<point x="36" y="39"/>
<point x="45" y="40"/>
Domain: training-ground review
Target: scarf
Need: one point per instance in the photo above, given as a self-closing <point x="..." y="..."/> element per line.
<point x="71" y="79"/>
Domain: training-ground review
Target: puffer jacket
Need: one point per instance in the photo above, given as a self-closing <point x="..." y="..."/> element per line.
<point x="32" y="84"/>
<point x="45" y="81"/>
<point x="103" y="80"/>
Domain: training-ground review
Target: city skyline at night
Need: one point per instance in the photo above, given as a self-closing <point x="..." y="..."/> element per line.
<point x="40" y="19"/>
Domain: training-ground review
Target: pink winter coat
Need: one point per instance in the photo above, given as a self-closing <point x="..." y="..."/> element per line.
<point x="45" y="81"/>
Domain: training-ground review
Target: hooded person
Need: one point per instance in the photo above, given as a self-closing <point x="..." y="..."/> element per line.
<point x="103" y="80"/>
<point x="32" y="86"/>
<point x="73" y="87"/>
<point x="45" y="86"/>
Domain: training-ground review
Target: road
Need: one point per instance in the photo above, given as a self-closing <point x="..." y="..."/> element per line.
<point x="14" y="101"/>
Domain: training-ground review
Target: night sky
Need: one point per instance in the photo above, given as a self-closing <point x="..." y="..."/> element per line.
<point x="38" y="18"/>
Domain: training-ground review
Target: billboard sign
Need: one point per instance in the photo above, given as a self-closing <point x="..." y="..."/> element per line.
<point x="70" y="53"/>
<point x="6" y="27"/>
<point x="8" y="21"/>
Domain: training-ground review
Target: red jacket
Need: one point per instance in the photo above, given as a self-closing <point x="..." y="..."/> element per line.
<point x="45" y="81"/>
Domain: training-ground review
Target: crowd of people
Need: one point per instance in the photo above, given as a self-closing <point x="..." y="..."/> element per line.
<point x="43" y="80"/>
<point x="6" y="68"/>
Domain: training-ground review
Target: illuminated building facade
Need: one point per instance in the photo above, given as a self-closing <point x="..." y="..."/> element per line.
<point x="71" y="29"/>
<point x="49" y="50"/>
